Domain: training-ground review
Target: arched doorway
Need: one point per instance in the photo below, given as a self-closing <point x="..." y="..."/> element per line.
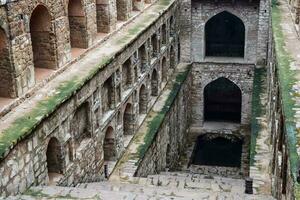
<point x="77" y="23"/>
<point x="225" y="36"/>
<point x="143" y="100"/>
<point x="222" y="101"/>
<point x="154" y="44"/>
<point x="128" y="120"/>
<point x="54" y="161"/>
<point x="109" y="145"/>
<point x="127" y="77"/>
<point x="218" y="151"/>
<point x="43" y="42"/>
<point x="164" y="68"/>
<point x="164" y="34"/>
<point x="80" y="124"/>
<point x="7" y="83"/>
<point x="154" y="83"/>
<point x="143" y="58"/>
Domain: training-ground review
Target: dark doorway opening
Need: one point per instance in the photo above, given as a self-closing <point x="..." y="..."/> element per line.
<point x="54" y="161"/>
<point x="219" y="151"/>
<point x="222" y="101"/>
<point x="225" y="36"/>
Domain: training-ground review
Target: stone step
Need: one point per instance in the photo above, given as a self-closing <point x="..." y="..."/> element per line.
<point x="167" y="185"/>
<point x="93" y="192"/>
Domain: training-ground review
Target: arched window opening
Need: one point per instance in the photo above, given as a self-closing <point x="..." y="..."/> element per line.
<point x="143" y="100"/>
<point x="222" y="101"/>
<point x="77" y="23"/>
<point x="107" y="95"/>
<point x="154" y="83"/>
<point x="164" y="68"/>
<point x="172" y="58"/>
<point x="128" y="120"/>
<point x="218" y="151"/>
<point x="6" y="71"/>
<point x="127" y="74"/>
<point x="225" y="36"/>
<point x="70" y="151"/>
<point x="172" y="26"/>
<point x="143" y="58"/>
<point x="80" y="125"/>
<point x="43" y="42"/>
<point x="109" y="145"/>
<point x="164" y="34"/>
<point x="54" y="161"/>
<point x="154" y="44"/>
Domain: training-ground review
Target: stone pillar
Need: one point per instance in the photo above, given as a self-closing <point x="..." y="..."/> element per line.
<point x="21" y="56"/>
<point x="63" y="47"/>
<point x="186" y="25"/>
<point x="106" y="15"/>
<point x="123" y="9"/>
<point x="263" y="31"/>
<point x="91" y="21"/>
<point x="138" y="5"/>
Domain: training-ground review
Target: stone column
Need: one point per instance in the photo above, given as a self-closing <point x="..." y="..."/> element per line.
<point x="123" y="9"/>
<point x="138" y="5"/>
<point x="186" y="25"/>
<point x="106" y="15"/>
<point x="263" y="31"/>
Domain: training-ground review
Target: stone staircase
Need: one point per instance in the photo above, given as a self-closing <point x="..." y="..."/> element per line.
<point x="167" y="185"/>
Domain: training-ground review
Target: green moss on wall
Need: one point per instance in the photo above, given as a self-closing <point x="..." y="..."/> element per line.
<point x="257" y="108"/>
<point x="154" y="125"/>
<point x="286" y="81"/>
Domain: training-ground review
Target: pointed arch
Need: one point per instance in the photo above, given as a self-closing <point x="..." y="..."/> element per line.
<point x="164" y="69"/>
<point x="54" y="160"/>
<point x="128" y="120"/>
<point x="42" y="38"/>
<point x="225" y="36"/>
<point x="154" y="83"/>
<point x="143" y="100"/>
<point x="109" y="145"/>
<point x="222" y="101"/>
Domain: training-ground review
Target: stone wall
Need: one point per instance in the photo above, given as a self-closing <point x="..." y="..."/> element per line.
<point x="169" y="142"/>
<point x="283" y="182"/>
<point x="82" y="147"/>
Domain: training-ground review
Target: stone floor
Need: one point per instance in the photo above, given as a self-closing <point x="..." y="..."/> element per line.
<point x="167" y="185"/>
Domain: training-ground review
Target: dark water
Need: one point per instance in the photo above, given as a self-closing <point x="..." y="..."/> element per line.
<point x="217" y="152"/>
